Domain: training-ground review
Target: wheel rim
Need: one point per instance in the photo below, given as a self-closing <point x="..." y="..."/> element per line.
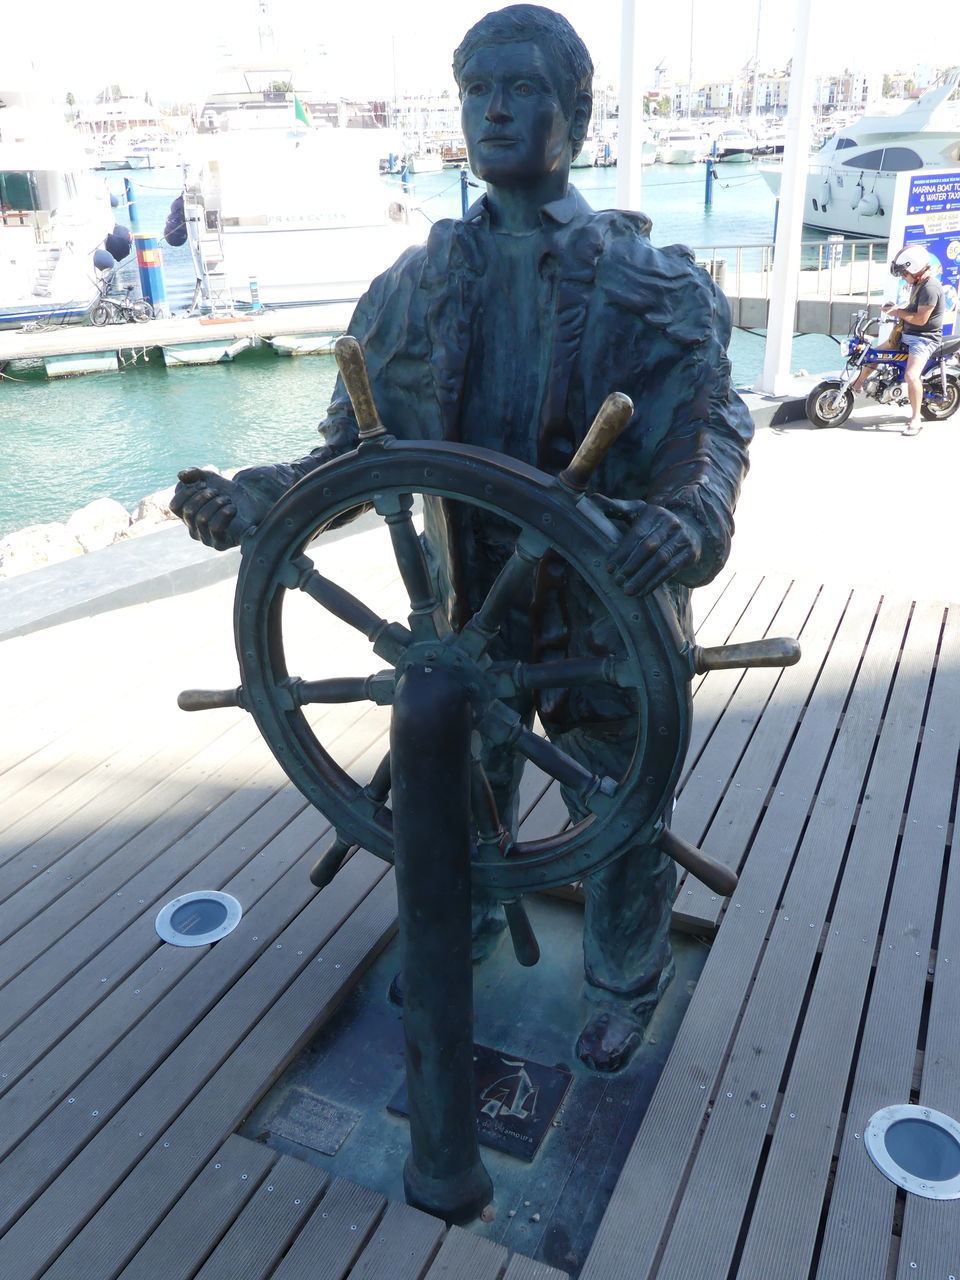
<point x="946" y="407"/>
<point x="389" y="472"/>
<point x="831" y="404"/>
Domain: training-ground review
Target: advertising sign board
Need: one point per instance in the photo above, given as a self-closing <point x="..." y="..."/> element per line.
<point x="926" y="210"/>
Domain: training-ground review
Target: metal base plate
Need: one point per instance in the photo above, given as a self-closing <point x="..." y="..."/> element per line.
<point x="547" y="1207"/>
<point x="516" y="1100"/>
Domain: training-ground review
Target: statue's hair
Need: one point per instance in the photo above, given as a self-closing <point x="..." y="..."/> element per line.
<point x="550" y="30"/>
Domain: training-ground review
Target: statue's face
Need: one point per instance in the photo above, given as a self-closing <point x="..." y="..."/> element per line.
<point x="515" y="129"/>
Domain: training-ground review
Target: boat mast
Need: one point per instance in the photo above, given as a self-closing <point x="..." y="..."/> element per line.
<point x="756" y="70"/>
<point x="690" y="63"/>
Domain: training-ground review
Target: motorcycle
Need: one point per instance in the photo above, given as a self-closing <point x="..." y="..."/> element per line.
<point x="830" y="402"/>
<point x="111" y="309"/>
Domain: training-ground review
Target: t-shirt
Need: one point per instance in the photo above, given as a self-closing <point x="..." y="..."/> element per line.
<point x="927" y="293"/>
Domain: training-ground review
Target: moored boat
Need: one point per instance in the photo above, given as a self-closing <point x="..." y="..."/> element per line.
<point x="735" y="146"/>
<point x="680" y="145"/>
<point x="55" y="216"/>
<point x="279" y="218"/>
<point x="852" y="178"/>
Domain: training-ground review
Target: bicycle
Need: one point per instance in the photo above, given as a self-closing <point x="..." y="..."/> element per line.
<point x="109" y="309"/>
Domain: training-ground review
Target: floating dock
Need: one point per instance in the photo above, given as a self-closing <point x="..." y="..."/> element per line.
<point x="68" y="349"/>
<point x="827" y="300"/>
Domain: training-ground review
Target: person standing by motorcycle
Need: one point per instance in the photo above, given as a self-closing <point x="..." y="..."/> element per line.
<point x="922" y="320"/>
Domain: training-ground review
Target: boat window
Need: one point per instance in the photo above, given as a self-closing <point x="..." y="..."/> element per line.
<point x="869" y="160"/>
<point x="899" y="158"/>
<point x="16" y="191"/>
<point x="843" y="143"/>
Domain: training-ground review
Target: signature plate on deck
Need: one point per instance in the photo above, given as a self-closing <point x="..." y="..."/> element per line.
<point x="516" y="1100"/>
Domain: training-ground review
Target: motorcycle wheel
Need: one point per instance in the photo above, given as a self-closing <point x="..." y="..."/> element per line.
<point x="141" y="312"/>
<point x="827" y="405"/>
<point x="100" y="314"/>
<point x="937" y="410"/>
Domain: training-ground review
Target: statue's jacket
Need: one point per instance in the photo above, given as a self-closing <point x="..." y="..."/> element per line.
<point x="619" y="314"/>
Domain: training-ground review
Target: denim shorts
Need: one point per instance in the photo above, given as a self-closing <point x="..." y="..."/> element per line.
<point x="919" y="344"/>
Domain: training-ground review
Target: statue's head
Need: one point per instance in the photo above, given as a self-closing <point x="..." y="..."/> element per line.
<point x="525" y="80"/>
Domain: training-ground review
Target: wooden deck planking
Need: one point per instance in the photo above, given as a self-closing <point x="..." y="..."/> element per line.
<point x="861" y="1212"/>
<point x="174" y="1040"/>
<point x="709" y="776"/>
<point x="204" y="1213"/>
<point x="96" y="1214"/>
<point x="786" y="1212"/>
<point x="464" y="1256"/>
<point x="402" y="1247"/>
<point x="215" y="838"/>
<point x="712" y="693"/>
<point x="704" y="1233"/>
<point x="643" y="1207"/>
<point x="931" y="1229"/>
<point x="216" y="988"/>
<point x="151" y="1006"/>
<point x="789" y="752"/>
<point x="335" y="1234"/>
<point x="521" y="1268"/>
<point x="261" y="1234"/>
<point x="751" y="778"/>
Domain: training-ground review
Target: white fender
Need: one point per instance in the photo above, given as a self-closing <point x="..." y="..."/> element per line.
<point x="869" y="205"/>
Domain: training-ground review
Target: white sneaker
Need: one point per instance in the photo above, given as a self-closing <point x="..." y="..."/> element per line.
<point x="912" y="429"/>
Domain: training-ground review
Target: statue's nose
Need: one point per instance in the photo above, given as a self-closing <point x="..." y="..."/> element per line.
<point x="497" y="109"/>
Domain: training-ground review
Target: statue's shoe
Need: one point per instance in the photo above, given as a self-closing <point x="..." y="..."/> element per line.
<point x="610" y="1039"/>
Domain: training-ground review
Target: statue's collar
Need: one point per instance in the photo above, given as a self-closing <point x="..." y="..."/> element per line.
<point x="562" y="211"/>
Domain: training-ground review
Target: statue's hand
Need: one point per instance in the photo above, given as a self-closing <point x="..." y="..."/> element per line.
<point x="657" y="545"/>
<point x="216" y="511"/>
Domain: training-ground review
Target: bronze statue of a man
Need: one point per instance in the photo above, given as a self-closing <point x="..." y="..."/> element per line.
<point x="507" y="329"/>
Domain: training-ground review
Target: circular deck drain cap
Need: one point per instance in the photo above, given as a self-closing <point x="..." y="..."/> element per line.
<point x="917" y="1148"/>
<point x="195" y="919"/>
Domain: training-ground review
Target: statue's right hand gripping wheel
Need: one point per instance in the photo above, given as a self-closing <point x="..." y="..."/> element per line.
<point x="551" y="514"/>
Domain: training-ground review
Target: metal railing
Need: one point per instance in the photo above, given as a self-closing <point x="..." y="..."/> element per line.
<point x="828" y="268"/>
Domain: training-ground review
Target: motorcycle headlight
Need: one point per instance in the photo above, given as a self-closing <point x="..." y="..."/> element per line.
<point x="846" y="347"/>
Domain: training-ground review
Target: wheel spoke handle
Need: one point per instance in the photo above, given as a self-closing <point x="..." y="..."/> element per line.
<point x="353" y="370"/>
<point x="782" y="651"/>
<point x="714" y="874"/>
<point x="209" y="699"/>
<point x="615" y="412"/>
<point x="330" y="862"/>
<point x="525" y="945"/>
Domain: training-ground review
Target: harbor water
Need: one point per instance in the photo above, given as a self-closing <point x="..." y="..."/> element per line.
<point x="64" y="443"/>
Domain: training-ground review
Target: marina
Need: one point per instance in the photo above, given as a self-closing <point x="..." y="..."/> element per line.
<point x="209" y="1066"/>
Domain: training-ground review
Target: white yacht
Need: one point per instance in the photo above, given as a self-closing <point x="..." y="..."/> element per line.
<point x="283" y="218"/>
<point x="852" y="177"/>
<point x="680" y="144"/>
<point x="735" y="145"/>
<point x="55" y="216"/>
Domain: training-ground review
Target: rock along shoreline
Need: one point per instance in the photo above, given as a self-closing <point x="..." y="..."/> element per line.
<point x="97" y="525"/>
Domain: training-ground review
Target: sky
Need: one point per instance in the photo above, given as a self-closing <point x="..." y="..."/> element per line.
<point x="375" y="48"/>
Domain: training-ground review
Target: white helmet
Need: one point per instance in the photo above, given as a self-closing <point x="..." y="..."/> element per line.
<point x="914" y="258"/>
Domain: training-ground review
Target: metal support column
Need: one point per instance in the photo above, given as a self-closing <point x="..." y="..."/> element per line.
<point x="430" y="753"/>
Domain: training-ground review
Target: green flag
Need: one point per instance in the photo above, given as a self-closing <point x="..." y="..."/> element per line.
<point x="300" y="112"/>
